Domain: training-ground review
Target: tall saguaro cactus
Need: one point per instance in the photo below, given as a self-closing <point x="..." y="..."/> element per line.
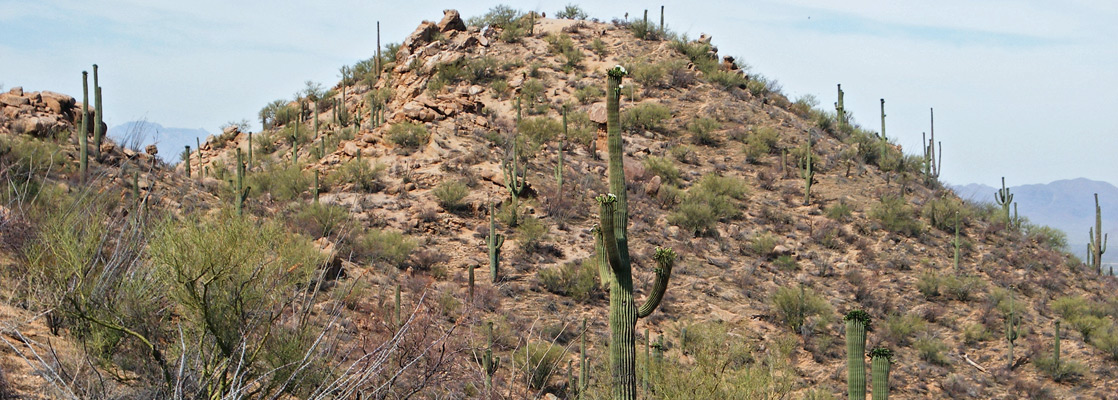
<point x="98" y="130"/>
<point x="857" y="323"/>
<point x="83" y="161"/>
<point x="613" y="237"/>
<point x="884" y="139"/>
<point x="880" y="360"/>
<point x="807" y="172"/>
<point x="1097" y="246"/>
<point x="840" y="109"/>
<point x="240" y="191"/>
<point x="494" y="242"/>
<point x="514" y="180"/>
<point x="1004" y="199"/>
<point x="956" y="242"/>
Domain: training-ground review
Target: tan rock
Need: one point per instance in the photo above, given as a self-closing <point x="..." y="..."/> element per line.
<point x="452" y="21"/>
<point x="151" y="149"/>
<point x="422" y="35"/>
<point x="57" y="102"/>
<point x="17" y="90"/>
<point x="351" y="149"/>
<point x="653" y="186"/>
<point x="369" y="138"/>
<point x="13" y="100"/>
<point x="598" y="112"/>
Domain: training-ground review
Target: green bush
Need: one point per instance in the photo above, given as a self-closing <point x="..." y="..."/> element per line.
<point x="896" y="215"/>
<point x="571" y="11"/>
<point x="763" y="244"/>
<point x="540" y="130"/>
<point x="928" y="284"/>
<point x="839" y="211"/>
<point x="931" y="350"/>
<point x="318" y="219"/>
<point x="902" y="329"/>
<point x="962" y="288"/>
<point x="577" y="280"/>
<point x="662" y="167"/>
<point x="408" y="135"/>
<point x="648" y="75"/>
<point x="646" y="117"/>
<point x="1047" y="236"/>
<point x="589" y="94"/>
<point x="538" y="361"/>
<point x="390" y="247"/>
<point x="499" y="16"/>
<point x="786" y="263"/>
<point x="531" y="231"/>
<point x="285" y="182"/>
<point x="1106" y="340"/>
<point x="974" y="333"/>
<point x="363" y="176"/>
<point x="598" y="47"/>
<point x="702" y="131"/>
<point x="532" y="92"/>
<point x="714" y="198"/>
<point x="1068" y="370"/>
<point x="728" y="79"/>
<point x="800" y="306"/>
<point x="759" y="143"/>
<point x="450" y="194"/>
<point x="941" y="213"/>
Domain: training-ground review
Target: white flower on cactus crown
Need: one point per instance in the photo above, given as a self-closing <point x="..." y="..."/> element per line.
<point x="618" y="66"/>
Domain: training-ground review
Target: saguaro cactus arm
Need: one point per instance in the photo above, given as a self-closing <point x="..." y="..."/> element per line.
<point x="880" y="360"/>
<point x="665" y="260"/>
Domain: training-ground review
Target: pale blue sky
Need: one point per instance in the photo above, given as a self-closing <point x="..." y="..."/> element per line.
<point x="1021" y="88"/>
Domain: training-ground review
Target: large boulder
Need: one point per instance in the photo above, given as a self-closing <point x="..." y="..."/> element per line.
<point x="452" y="21"/>
<point x="58" y="103"/>
<point x="9" y="99"/>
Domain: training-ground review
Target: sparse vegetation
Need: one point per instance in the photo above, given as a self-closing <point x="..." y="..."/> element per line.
<point x="577" y="280"/>
<point x="896" y="215"/>
<point x="800" y="307"/>
<point x="713" y="199"/>
<point x="409" y="136"/>
<point x="450" y="194"/>
<point x="645" y="116"/>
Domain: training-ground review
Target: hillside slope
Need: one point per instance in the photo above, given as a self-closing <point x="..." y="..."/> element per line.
<point x="713" y="158"/>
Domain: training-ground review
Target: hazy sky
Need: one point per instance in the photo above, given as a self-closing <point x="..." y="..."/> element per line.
<point x="1020" y="88"/>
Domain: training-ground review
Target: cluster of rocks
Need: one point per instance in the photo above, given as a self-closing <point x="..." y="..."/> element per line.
<point x="422" y="51"/>
<point x="40" y="114"/>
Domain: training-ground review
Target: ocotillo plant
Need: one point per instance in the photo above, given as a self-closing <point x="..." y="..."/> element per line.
<point x="880" y="360"/>
<point x="488" y="362"/>
<point x="240" y="191"/>
<point x="1097" y="246"/>
<point x="494" y="242"/>
<point x="186" y="160"/>
<point x="613" y="238"/>
<point x="1012" y="330"/>
<point x="83" y="161"/>
<point x="807" y="172"/>
<point x="98" y="131"/>
<point x="840" y="110"/>
<point x="1004" y="198"/>
<point x="514" y="180"/>
<point x="857" y="323"/>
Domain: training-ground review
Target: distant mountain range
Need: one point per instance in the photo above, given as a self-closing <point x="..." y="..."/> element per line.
<point x="170" y="141"/>
<point x="1067" y="205"/>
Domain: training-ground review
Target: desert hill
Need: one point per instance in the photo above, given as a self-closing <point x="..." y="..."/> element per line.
<point x="391" y="173"/>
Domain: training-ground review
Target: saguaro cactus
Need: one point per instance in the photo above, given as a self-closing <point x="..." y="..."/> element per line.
<point x="494" y="242"/>
<point x="240" y="191"/>
<point x="956" y="242"/>
<point x="186" y="160"/>
<point x="1004" y="199"/>
<point x="880" y="360"/>
<point x="1097" y="245"/>
<point x="1056" y="349"/>
<point x="807" y="172"/>
<point x="884" y="139"/>
<point x="98" y="129"/>
<point x="488" y="362"/>
<point x="840" y="110"/>
<point x="613" y="238"/>
<point x="583" y="365"/>
<point x="514" y="180"/>
<point x="83" y="161"/>
<point x="1012" y="330"/>
<point x="857" y="323"/>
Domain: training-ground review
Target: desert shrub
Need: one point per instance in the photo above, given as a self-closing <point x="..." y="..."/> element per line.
<point x="363" y="176"/>
<point x="577" y="280"/>
<point x="962" y="287"/>
<point x="571" y="11"/>
<point x="384" y="246"/>
<point x="760" y="142"/>
<point x="318" y="219"/>
<point x="798" y="307"/>
<point x="589" y="94"/>
<point x="804" y="105"/>
<point x="683" y="153"/>
<point x="662" y="167"/>
<point x="896" y="215"/>
<point x="582" y="131"/>
<point x="1106" y="340"/>
<point x="974" y="333"/>
<point x="931" y="350"/>
<point x="25" y="158"/>
<point x="722" y="366"/>
<point x="450" y="194"/>
<point x="538" y="360"/>
<point x="702" y="131"/>
<point x="727" y="79"/>
<point x="1087" y="325"/>
<point x="697" y="52"/>
<point x="902" y="328"/>
<point x="408" y="135"/>
<point x="942" y="211"/>
<point x="645" y="116"/>
<point x="532" y="93"/>
<point x="500" y="88"/>
<point x="1068" y="370"/>
<point x="714" y="198"/>
<point x="499" y="16"/>
<point x="540" y="130"/>
<point x="598" y="47"/>
<point x="763" y="244"/>
<point x="647" y="74"/>
<point x="283" y="181"/>
<point x="1047" y="236"/>
<point x="1070" y="307"/>
<point x="928" y="284"/>
<point x="839" y="211"/>
<point x="531" y="231"/>
<point x="786" y="263"/>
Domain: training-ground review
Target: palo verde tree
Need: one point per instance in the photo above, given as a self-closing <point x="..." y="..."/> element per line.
<point x="613" y="256"/>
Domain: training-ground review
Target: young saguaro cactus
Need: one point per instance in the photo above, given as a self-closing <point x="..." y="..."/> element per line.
<point x="514" y="180"/>
<point x="98" y="128"/>
<point x="1097" y="245"/>
<point x="186" y="160"/>
<point x="488" y="362"/>
<point x="880" y="361"/>
<point x="840" y="110"/>
<point x="807" y="172"/>
<point x="1004" y="199"/>
<point x="612" y="237"/>
<point x="1056" y="349"/>
<point x="494" y="242"/>
<point x="956" y="242"/>
<point x="857" y="323"/>
<point x="83" y="161"/>
<point x="1012" y="330"/>
<point x="240" y="191"/>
